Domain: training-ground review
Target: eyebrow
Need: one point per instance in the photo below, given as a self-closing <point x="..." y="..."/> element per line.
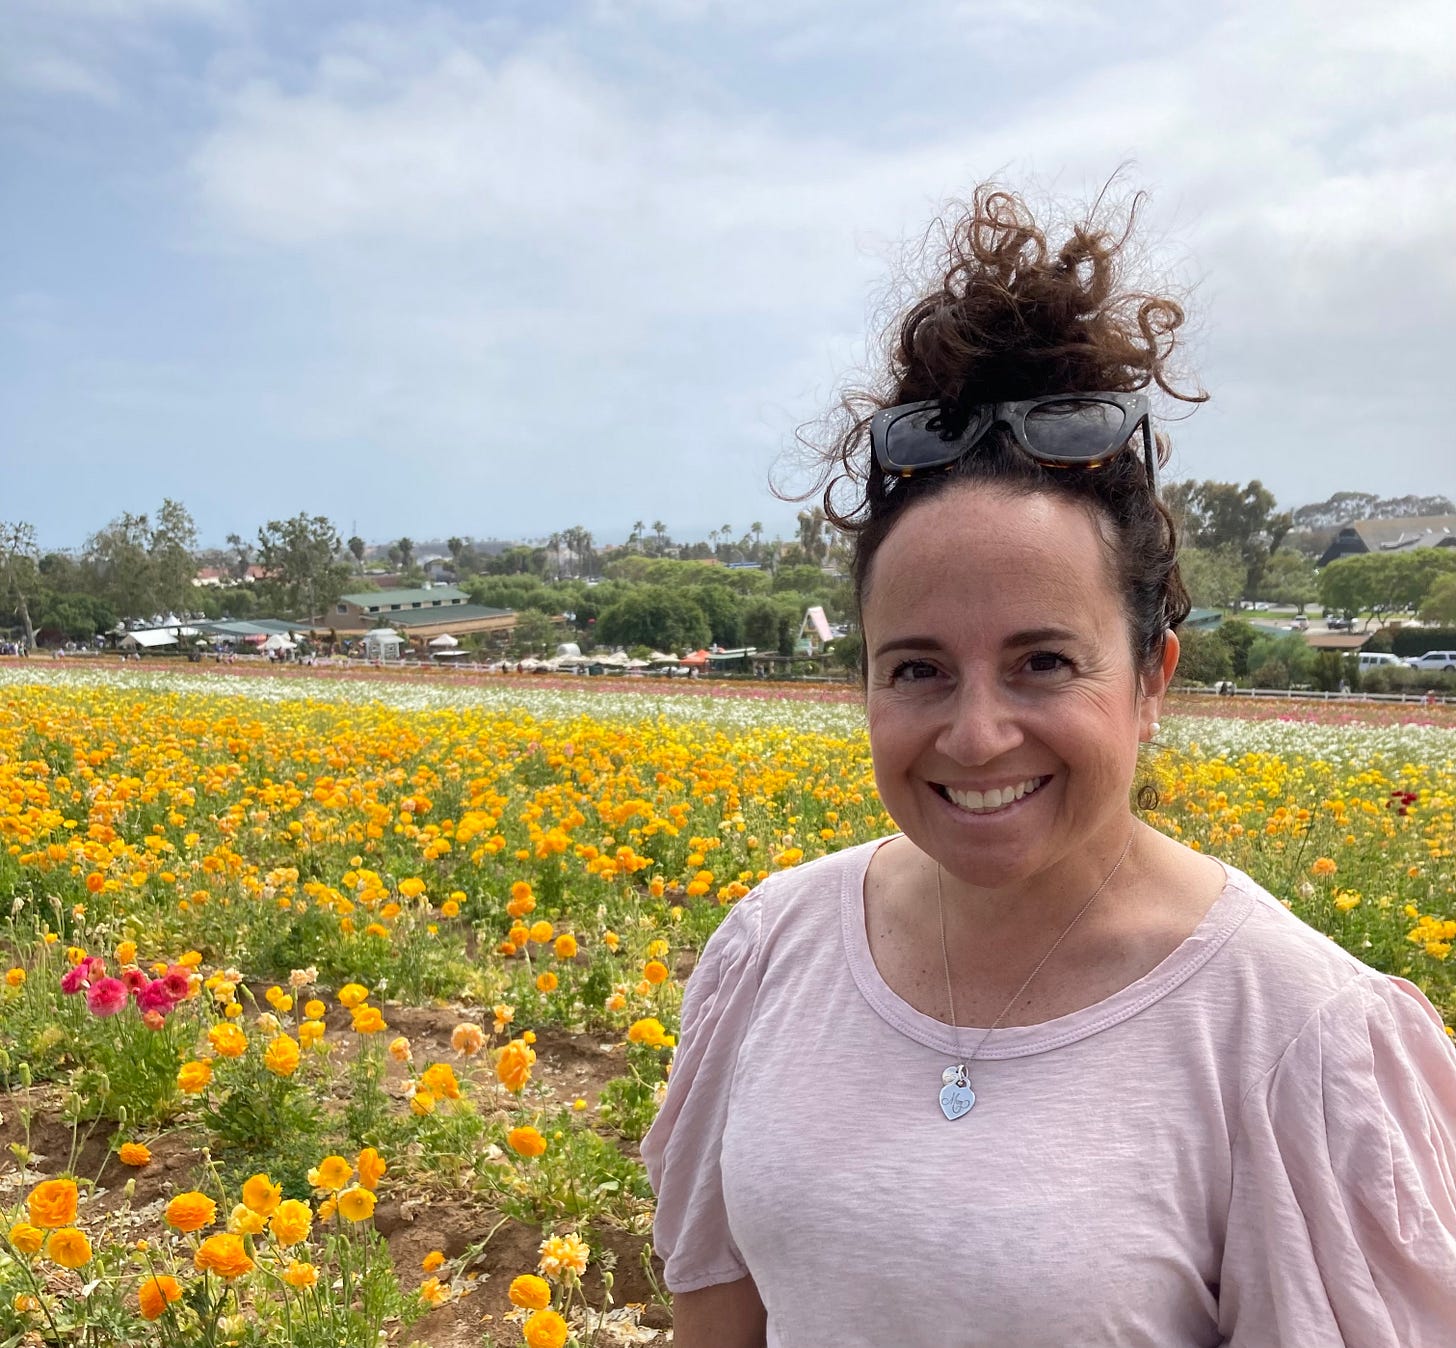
<point x="1031" y="637"/>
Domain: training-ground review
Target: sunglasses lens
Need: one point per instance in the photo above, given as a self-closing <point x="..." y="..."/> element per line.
<point x="922" y="439"/>
<point x="1074" y="430"/>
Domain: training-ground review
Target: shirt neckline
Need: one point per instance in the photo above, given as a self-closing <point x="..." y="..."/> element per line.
<point x="1233" y="904"/>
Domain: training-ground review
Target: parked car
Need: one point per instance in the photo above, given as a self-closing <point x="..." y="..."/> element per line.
<point x="1336" y="623"/>
<point x="1379" y="660"/>
<point x="1434" y="660"/>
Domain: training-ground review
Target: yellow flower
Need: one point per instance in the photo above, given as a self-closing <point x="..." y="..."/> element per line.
<point x="133" y="1153"/>
<point x="314" y="1009"/>
<point x="352" y="995"/>
<point x="291" y="1222"/>
<point x="243" y="1221"/>
<point x="526" y="1141"/>
<point x="564" y="1254"/>
<point x="531" y="1292"/>
<point x="541" y="932"/>
<point x="546" y="982"/>
<point x="399" y="1049"/>
<point x="331" y="1174"/>
<point x="545" y="1329"/>
<point x="193" y="1077"/>
<point x="503" y="1015"/>
<point x="14" y="977"/>
<point x="299" y="1274"/>
<point x="281" y="1056"/>
<point x="156" y="1294"/>
<point x="371" y="1168"/>
<point x="27" y="1238"/>
<point x="262" y="1195"/>
<point x="68" y="1247"/>
<point x="565" y="947"/>
<point x="225" y="1255"/>
<point x="52" y="1203"/>
<point x="422" y="1102"/>
<point x="650" y="1031"/>
<point x="191" y="1211"/>
<point x="435" y="1259"/>
<point x="356" y="1204"/>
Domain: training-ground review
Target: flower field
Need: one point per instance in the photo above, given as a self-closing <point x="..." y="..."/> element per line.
<point x="337" y="1008"/>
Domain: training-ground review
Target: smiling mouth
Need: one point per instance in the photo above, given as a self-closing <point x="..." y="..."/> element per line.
<point x="994" y="800"/>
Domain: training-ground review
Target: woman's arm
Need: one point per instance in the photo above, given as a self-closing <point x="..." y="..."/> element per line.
<point x="729" y="1315"/>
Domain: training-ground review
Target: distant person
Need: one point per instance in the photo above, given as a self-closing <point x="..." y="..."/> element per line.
<point x="1030" y="1073"/>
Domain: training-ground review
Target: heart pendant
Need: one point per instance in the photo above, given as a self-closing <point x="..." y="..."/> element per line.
<point x="956" y="1098"/>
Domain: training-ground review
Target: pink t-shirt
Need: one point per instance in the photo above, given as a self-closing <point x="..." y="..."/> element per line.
<point x="1253" y="1145"/>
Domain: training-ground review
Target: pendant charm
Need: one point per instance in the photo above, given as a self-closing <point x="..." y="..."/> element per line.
<point x="956" y="1095"/>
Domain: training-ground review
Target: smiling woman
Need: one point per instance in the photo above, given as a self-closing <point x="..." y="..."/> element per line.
<point x="1029" y="1071"/>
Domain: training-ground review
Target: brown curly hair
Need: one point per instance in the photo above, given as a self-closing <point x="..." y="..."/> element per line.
<point x="1013" y="318"/>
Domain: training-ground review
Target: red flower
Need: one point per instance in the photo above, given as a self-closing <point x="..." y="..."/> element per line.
<point x="106" y="997"/>
<point x="155" y="997"/>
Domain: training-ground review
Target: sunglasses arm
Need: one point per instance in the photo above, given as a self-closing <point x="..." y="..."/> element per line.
<point x="1150" y="457"/>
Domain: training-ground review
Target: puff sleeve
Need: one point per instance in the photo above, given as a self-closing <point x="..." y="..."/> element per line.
<point x="1342" y="1221"/>
<point x="682" y="1149"/>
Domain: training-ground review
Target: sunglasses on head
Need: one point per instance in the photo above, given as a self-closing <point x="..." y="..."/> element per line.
<point x="1061" y="430"/>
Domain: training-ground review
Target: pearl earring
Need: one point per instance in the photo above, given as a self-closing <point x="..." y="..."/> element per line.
<point x="1154" y="727"/>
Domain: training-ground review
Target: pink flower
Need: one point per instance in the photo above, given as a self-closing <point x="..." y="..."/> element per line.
<point x="106" y="997"/>
<point x="177" y="982"/>
<point x="75" y="978"/>
<point x="134" y="979"/>
<point x="155" y="997"/>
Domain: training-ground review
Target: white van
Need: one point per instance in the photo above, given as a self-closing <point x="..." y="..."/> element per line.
<point x="1379" y="660"/>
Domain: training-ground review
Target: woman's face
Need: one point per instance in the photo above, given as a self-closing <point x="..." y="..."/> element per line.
<point x="1004" y="706"/>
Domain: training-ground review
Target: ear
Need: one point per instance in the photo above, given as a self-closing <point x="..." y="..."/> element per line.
<point x="1155" y="685"/>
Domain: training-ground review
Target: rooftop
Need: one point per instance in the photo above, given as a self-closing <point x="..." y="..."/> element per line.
<point x="436" y="595"/>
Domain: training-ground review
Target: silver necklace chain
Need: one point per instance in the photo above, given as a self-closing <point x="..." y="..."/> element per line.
<point x="956" y="1096"/>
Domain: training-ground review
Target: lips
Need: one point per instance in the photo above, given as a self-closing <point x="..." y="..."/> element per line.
<point x="994" y="799"/>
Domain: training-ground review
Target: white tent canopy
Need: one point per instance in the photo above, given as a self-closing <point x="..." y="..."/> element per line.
<point x="443" y="641"/>
<point x="279" y="642"/>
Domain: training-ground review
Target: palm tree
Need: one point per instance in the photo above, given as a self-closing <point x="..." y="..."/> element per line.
<point x="406" y="551"/>
<point x="636" y="538"/>
<point x="660" y="529"/>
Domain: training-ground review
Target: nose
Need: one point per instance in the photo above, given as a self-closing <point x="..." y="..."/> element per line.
<point x="981" y="725"/>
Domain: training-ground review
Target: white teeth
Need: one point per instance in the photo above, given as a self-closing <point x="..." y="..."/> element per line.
<point x="997" y="798"/>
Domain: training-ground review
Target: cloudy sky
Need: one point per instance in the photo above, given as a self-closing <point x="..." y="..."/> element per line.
<point x="497" y="267"/>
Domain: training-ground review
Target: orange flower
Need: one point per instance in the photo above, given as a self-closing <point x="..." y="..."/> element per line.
<point x="467" y="1039"/>
<point x="546" y="982"/>
<point x="371" y="1168"/>
<point x="281" y="1056"/>
<point x="513" y="1066"/>
<point x="228" y="1040"/>
<point x="300" y="1274"/>
<point x="530" y="1292"/>
<point x="435" y="1259"/>
<point x="526" y="1141"/>
<point x="650" y="1031"/>
<point x="225" y="1255"/>
<point x="1322" y="867"/>
<point x="191" y="1211"/>
<point x="439" y="1078"/>
<point x="52" y="1203"/>
<point x="68" y="1247"/>
<point x="564" y="1254"/>
<point x="545" y="1329"/>
<point x="541" y="932"/>
<point x="368" y="1020"/>
<point x="565" y="947"/>
<point x="27" y="1238"/>
<point x="655" y="972"/>
<point x="433" y="1292"/>
<point x="156" y="1294"/>
<point x="193" y="1077"/>
<point x="399" y="1049"/>
<point x="291" y="1222"/>
<point x="262" y="1195"/>
<point x="134" y="1153"/>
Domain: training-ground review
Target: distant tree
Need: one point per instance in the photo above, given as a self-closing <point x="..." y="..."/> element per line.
<point x="1439" y="606"/>
<point x="1202" y="657"/>
<point x="535" y="631"/>
<point x="659" y="529"/>
<point x="1289" y="578"/>
<point x="19" y="568"/>
<point x="171" y="546"/>
<point x="304" y="564"/>
<point x="356" y="549"/>
<point x="118" y="557"/>
<point x="242" y="556"/>
<point x="657" y="616"/>
<point x="1376" y="585"/>
<point x="1223" y="514"/>
<point x="1215" y="577"/>
<point x="406" y="548"/>
<point x="848" y="652"/>
<point x="814" y="536"/>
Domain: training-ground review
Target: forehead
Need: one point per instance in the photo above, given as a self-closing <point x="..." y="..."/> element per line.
<point x="972" y="554"/>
